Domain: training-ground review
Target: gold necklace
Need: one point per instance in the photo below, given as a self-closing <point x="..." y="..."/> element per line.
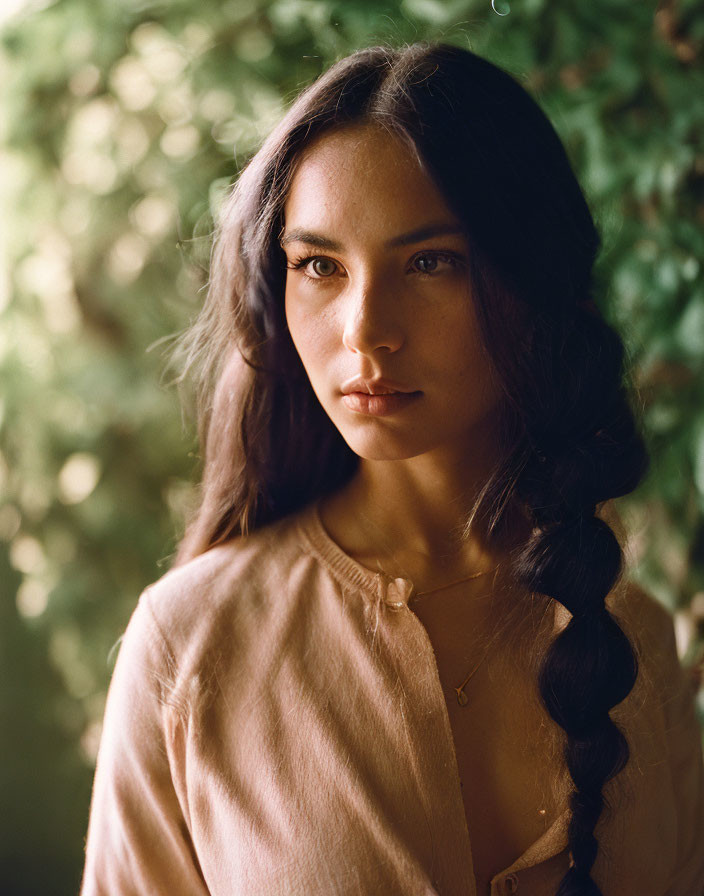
<point x="462" y="698"/>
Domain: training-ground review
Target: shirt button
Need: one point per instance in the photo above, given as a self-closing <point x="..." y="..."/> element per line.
<point x="397" y="593"/>
<point x="511" y="883"/>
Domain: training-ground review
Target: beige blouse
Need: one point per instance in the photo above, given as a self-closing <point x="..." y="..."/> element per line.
<point x="276" y="726"/>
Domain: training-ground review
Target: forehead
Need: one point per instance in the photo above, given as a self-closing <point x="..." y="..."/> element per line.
<point x="362" y="176"/>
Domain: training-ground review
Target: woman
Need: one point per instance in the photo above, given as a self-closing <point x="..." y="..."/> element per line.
<point x="397" y="652"/>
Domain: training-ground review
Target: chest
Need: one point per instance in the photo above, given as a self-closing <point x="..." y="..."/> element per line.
<point x="506" y="784"/>
<point x="506" y="799"/>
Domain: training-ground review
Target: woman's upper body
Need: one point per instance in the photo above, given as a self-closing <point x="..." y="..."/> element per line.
<point x="278" y="722"/>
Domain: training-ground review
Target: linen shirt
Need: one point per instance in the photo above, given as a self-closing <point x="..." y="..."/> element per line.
<point x="276" y="726"/>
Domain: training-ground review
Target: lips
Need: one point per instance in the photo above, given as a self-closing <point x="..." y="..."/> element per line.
<point x="380" y="405"/>
<point x="378" y="386"/>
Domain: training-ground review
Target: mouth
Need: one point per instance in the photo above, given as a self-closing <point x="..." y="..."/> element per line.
<point x="381" y="404"/>
<point x="374" y="386"/>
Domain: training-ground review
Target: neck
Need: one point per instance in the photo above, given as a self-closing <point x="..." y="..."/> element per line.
<point x="408" y="518"/>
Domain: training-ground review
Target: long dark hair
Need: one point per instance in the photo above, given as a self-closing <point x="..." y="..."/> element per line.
<point x="570" y="441"/>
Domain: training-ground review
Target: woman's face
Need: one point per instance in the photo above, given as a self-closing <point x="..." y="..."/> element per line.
<point x="377" y="286"/>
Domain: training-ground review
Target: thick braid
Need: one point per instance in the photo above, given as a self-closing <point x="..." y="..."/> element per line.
<point x="584" y="448"/>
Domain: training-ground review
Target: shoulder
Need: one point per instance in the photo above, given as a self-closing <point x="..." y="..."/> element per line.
<point x="664" y="685"/>
<point x="648" y="624"/>
<point x="646" y="621"/>
<point x="666" y="735"/>
<point x="220" y="604"/>
<point x="257" y="564"/>
<point x="646" y="607"/>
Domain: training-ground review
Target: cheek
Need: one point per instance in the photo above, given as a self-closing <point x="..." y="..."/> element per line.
<point x="459" y="358"/>
<point x="452" y="339"/>
<point x="311" y="333"/>
<point x="296" y="321"/>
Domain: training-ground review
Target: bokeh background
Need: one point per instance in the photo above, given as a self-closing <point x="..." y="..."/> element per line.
<point x="123" y="122"/>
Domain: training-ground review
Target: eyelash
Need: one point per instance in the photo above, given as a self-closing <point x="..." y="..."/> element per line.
<point x="298" y="264"/>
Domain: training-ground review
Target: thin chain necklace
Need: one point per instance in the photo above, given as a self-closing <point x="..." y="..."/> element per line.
<point x="462" y="698"/>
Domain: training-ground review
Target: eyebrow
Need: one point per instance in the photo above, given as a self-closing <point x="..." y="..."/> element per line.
<point x="301" y="235"/>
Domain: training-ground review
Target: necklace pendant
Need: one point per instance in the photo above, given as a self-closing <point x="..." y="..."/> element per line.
<point x="462" y="698"/>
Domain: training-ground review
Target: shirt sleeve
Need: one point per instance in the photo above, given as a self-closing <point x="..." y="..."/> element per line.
<point x="684" y="748"/>
<point x="138" y="840"/>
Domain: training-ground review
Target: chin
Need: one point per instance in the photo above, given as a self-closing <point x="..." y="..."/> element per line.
<point x="384" y="446"/>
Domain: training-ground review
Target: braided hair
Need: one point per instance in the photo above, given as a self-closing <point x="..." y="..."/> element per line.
<point x="583" y="451"/>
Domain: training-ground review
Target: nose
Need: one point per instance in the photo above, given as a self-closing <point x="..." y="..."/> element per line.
<point x="371" y="319"/>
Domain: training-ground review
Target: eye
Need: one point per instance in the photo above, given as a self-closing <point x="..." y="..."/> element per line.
<point x="322" y="267"/>
<point x="433" y="262"/>
<point x="315" y="267"/>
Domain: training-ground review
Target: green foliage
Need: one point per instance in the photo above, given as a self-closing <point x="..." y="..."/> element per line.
<point x="123" y="124"/>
